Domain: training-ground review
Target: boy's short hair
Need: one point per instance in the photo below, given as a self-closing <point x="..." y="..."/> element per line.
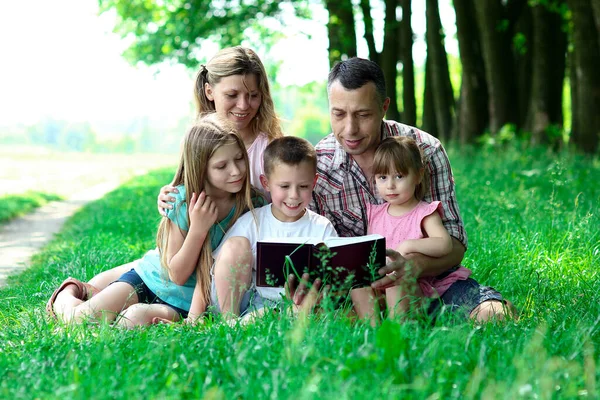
<point x="290" y="150"/>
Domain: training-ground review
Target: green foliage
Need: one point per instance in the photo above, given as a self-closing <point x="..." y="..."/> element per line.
<point x="532" y="219"/>
<point x="16" y="205"/>
<point x="175" y="30"/>
<point x="305" y="110"/>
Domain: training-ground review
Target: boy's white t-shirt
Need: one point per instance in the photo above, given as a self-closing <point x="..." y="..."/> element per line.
<point x="310" y="225"/>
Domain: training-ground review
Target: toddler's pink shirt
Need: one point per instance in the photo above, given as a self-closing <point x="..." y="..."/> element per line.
<point x="409" y="226"/>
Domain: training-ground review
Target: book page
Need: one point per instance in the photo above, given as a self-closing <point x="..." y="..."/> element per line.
<point x="291" y="240"/>
<point x="343" y="241"/>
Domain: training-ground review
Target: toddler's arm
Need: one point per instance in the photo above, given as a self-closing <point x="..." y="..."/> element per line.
<point x="437" y="244"/>
<point x="183" y="252"/>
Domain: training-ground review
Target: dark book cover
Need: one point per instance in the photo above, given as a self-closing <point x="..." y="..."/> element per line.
<point x="340" y="262"/>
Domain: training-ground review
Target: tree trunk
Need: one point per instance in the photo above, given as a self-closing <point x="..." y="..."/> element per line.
<point x="547" y="77"/>
<point x="522" y="59"/>
<point x="340" y="29"/>
<point x="596" y="7"/>
<point x="473" y="107"/>
<point x="389" y="57"/>
<point x="498" y="64"/>
<point x="365" y="7"/>
<point x="409" y="111"/>
<point x="443" y="98"/>
<point x="429" y="124"/>
<point x="587" y="59"/>
<point x="574" y="91"/>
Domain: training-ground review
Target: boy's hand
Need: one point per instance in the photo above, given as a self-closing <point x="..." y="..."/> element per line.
<point x="203" y="212"/>
<point x="393" y="271"/>
<point x="304" y="299"/>
<point x="164" y="197"/>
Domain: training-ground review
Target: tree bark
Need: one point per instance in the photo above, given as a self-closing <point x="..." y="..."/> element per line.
<point x="429" y="124"/>
<point x="498" y="64"/>
<point x="365" y="7"/>
<point x="547" y="77"/>
<point x="587" y="58"/>
<point x="596" y="8"/>
<point x="472" y="115"/>
<point x="340" y="29"/>
<point x="409" y="110"/>
<point x="443" y="98"/>
<point x="522" y="58"/>
<point x="389" y="57"/>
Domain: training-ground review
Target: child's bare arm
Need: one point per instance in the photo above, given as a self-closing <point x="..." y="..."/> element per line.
<point x="437" y="244"/>
<point x="197" y="307"/>
<point x="183" y="252"/>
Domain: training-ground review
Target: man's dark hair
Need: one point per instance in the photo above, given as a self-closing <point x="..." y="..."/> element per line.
<point x="289" y="150"/>
<point x="355" y="72"/>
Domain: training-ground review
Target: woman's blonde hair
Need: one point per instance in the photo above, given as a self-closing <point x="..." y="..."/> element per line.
<point x="199" y="144"/>
<point x="239" y="61"/>
<point x="401" y="154"/>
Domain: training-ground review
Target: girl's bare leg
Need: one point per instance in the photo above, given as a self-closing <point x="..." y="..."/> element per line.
<point x="366" y="304"/>
<point x="106" y="305"/>
<point x="400" y="298"/>
<point x="105" y="278"/>
<point x="66" y="300"/>
<point x="143" y="314"/>
<point x="233" y="274"/>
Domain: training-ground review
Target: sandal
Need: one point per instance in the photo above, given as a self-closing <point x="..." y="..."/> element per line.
<point x="84" y="292"/>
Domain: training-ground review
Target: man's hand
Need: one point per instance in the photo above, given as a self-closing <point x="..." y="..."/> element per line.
<point x="393" y="271"/>
<point x="164" y="198"/>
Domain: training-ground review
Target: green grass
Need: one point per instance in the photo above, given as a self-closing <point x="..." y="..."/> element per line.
<point x="532" y="220"/>
<point x="16" y="205"/>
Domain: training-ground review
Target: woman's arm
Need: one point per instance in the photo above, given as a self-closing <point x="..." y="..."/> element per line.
<point x="183" y="252"/>
<point x="438" y="242"/>
<point x="164" y="200"/>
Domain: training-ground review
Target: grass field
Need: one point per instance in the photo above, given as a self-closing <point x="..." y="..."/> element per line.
<point x="532" y="220"/>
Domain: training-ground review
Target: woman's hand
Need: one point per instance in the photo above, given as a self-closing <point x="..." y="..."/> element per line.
<point x="203" y="212"/>
<point x="164" y="199"/>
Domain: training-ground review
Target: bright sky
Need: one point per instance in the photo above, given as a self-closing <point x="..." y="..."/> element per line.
<point x="61" y="60"/>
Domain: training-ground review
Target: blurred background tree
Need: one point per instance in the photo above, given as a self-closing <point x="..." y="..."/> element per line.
<point x="516" y="55"/>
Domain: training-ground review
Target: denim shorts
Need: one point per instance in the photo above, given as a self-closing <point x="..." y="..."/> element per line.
<point x="462" y="298"/>
<point x="145" y="295"/>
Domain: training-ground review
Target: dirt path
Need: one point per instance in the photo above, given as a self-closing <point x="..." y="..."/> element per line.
<point x="43" y="170"/>
<point x="23" y="237"/>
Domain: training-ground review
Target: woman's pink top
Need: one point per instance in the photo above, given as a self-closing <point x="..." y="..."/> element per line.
<point x="257" y="166"/>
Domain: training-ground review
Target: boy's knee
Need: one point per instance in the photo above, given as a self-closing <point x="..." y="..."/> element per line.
<point x="236" y="245"/>
<point x="235" y="256"/>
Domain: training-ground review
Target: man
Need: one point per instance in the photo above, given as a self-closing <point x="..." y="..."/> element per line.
<point x="357" y="105"/>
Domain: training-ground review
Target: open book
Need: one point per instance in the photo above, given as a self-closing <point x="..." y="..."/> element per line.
<point x="339" y="261"/>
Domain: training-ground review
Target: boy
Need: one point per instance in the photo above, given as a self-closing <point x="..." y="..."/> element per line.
<point x="290" y="165"/>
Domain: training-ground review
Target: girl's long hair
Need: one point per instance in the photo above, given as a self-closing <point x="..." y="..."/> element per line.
<point x="200" y="143"/>
<point x="239" y="60"/>
<point x="401" y="154"/>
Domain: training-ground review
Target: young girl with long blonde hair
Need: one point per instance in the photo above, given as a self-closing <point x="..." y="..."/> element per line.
<point x="214" y="191"/>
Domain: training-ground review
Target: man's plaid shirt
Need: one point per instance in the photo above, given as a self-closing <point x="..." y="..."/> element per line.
<point x="342" y="190"/>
